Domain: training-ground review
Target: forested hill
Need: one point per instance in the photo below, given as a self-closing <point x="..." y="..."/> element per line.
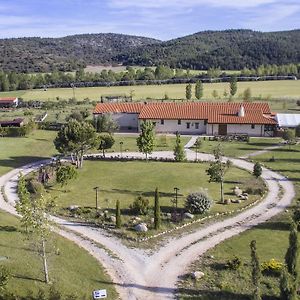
<point x="229" y="49"/>
<point x="67" y="53"/>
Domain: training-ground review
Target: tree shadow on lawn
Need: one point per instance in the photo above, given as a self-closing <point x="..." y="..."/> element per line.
<point x="280" y="225"/>
<point x="18" y="276"/>
<point x="8" y="228"/>
<point x="142" y="193"/>
<point x="18" y="161"/>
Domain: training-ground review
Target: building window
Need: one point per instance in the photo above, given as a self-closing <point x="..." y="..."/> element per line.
<point x="179" y="122"/>
<point x="154" y="123"/>
<point x="252" y="126"/>
<point x="197" y="125"/>
<point x="188" y="125"/>
<point x="162" y="122"/>
<point x="205" y="122"/>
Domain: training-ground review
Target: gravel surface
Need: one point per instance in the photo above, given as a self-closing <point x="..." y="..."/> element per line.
<point x="137" y="273"/>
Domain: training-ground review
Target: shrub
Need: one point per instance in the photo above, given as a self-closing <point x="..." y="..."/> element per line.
<point x="140" y="205"/>
<point x="4" y="277"/>
<point x="198" y="202"/>
<point x="35" y="187"/>
<point x="233" y="264"/>
<point x="272" y="267"/>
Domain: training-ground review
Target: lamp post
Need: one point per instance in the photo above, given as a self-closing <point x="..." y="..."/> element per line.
<point x="176" y="189"/>
<point x="96" y="189"/>
<point x="121" y="149"/>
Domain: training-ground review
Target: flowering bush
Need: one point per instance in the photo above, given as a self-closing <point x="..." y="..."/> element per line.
<point x="271" y="267"/>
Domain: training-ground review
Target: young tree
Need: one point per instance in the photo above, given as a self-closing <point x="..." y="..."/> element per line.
<point x="64" y="173"/>
<point x="105" y="123"/>
<point x="157" y="218"/>
<point x="188" y="92"/>
<point x="218" y="169"/>
<point x="106" y="142"/>
<point x="179" y="154"/>
<point x="76" y="138"/>
<point x="215" y="94"/>
<point x="199" y="90"/>
<point x="285" y="285"/>
<point x="233" y="86"/>
<point x="256" y="272"/>
<point x="257" y="169"/>
<point x="289" y="136"/>
<point x="118" y="215"/>
<point x="146" y="139"/>
<point x="35" y="220"/>
<point x="247" y="94"/>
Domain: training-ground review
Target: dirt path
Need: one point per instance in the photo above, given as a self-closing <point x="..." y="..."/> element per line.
<point x="141" y="275"/>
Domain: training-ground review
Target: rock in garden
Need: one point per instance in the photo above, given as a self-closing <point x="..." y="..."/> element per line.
<point x="73" y="207"/>
<point x="238" y="192"/>
<point x="197" y="275"/>
<point x="169" y="215"/>
<point x="142" y="227"/>
<point x="112" y="219"/>
<point x="188" y="215"/>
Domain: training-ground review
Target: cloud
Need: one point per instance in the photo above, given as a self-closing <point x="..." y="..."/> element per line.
<point x="153" y="4"/>
<point x="272" y="18"/>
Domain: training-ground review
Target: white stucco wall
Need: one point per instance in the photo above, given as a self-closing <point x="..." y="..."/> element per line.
<point x="258" y="130"/>
<point x="172" y="126"/>
<point x="125" y="120"/>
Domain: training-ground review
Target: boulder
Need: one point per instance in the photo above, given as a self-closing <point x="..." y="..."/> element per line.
<point x="188" y="215"/>
<point x="238" y="192"/>
<point x="236" y="201"/>
<point x="73" y="207"/>
<point x="152" y="220"/>
<point x="142" y="227"/>
<point x="168" y="215"/>
<point x="197" y="275"/>
<point x="112" y="219"/>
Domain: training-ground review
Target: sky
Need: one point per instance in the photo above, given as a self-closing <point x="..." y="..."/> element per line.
<point x="161" y="19"/>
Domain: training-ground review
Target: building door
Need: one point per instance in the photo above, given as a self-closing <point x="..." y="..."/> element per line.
<point x="222" y="129"/>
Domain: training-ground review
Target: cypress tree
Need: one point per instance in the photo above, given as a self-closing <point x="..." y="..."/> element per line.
<point x="188" y="92"/>
<point x="256" y="272"/>
<point x="157" y="219"/>
<point x="118" y="215"/>
<point x="233" y="86"/>
<point x="292" y="252"/>
<point x="199" y="90"/>
<point x="285" y="288"/>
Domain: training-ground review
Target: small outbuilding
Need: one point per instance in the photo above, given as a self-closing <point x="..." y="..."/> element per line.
<point x="9" y="102"/>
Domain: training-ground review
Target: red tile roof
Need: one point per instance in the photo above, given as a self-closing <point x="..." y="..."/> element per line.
<point x="118" y="108"/>
<point x="8" y="99"/>
<point x="214" y="113"/>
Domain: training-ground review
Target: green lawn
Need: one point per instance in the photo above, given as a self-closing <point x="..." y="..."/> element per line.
<point x="264" y="89"/>
<point x="272" y="242"/>
<point x="236" y="149"/>
<point x="15" y="152"/>
<point x="126" y="180"/>
<point x="71" y="269"/>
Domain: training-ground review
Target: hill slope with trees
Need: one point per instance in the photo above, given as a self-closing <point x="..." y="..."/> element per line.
<point x="229" y="49"/>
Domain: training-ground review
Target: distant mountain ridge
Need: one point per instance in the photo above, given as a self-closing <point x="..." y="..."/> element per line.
<point x="228" y="49"/>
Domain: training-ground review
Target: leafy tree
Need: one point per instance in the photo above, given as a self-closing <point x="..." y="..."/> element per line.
<point x="76" y="138"/>
<point x="106" y="142"/>
<point x="247" y="94"/>
<point x="179" y="154"/>
<point x="256" y="271"/>
<point x="35" y="220"/>
<point x="257" y="169"/>
<point x="140" y="205"/>
<point x="198" y="202"/>
<point x="146" y="139"/>
<point x="188" y="92"/>
<point x="157" y="218"/>
<point x="297" y="131"/>
<point x="118" y="215"/>
<point x="218" y="169"/>
<point x="199" y="90"/>
<point x="289" y="136"/>
<point x="65" y="173"/>
<point x="105" y="123"/>
<point x="233" y="86"/>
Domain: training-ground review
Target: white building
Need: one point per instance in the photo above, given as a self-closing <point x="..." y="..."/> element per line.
<point x="254" y="119"/>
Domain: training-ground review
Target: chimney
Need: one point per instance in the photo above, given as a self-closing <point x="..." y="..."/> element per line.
<point x="241" y="112"/>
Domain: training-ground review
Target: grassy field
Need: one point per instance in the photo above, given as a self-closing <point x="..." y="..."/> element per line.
<point x="15" y="152"/>
<point x="125" y="181"/>
<point x="263" y="89"/>
<point x="71" y="269"/>
<point x="237" y="149"/>
<point x="225" y="284"/>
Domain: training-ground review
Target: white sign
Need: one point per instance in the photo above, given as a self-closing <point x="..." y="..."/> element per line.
<point x="100" y="294"/>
